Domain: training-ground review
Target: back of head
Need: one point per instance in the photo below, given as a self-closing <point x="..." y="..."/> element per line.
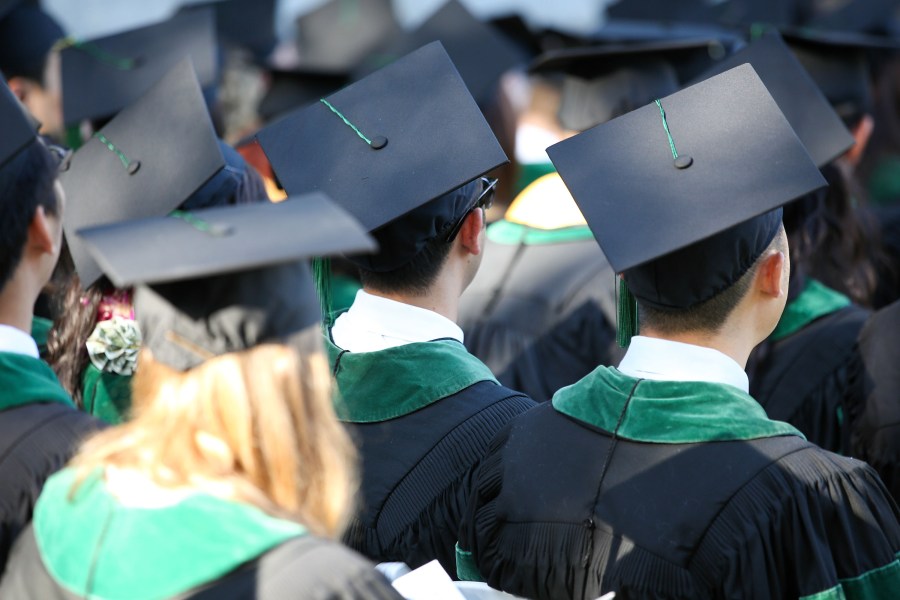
<point x="26" y="182"/>
<point x="414" y="247"/>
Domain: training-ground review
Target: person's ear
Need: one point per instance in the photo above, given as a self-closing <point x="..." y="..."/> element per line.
<point x="861" y="133"/>
<point x="770" y="278"/>
<point x="41" y="233"/>
<point x="470" y="237"/>
<point x="19" y="86"/>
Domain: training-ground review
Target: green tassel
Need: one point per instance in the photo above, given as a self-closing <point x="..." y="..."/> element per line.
<point x="627" y="315"/>
<point x="321" y="268"/>
<point x="73" y="137"/>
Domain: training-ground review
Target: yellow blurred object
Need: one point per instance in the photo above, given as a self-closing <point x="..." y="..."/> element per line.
<point x="545" y="204"/>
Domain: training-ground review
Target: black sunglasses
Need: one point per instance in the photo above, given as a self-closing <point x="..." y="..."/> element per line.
<point x="484" y="201"/>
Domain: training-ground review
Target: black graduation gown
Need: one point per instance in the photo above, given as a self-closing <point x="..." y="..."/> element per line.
<point x="808" y="379"/>
<point x="36" y="440"/>
<point x="305" y="567"/>
<point x="416" y="471"/>
<point x="565" y="509"/>
<point x="541" y="316"/>
<point x="876" y="425"/>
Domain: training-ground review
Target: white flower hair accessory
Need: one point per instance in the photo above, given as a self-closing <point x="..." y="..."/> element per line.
<point x="113" y="345"/>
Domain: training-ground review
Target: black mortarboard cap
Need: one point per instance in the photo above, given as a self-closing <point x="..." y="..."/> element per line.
<point x="339" y="34"/>
<point x="289" y="90"/>
<point x="683" y="229"/>
<point x="603" y="82"/>
<point x="806" y="109"/>
<point x="100" y="77"/>
<point x="838" y="63"/>
<point x="27" y="33"/>
<point x="481" y="53"/>
<point x="428" y="138"/>
<point x="18" y="129"/>
<point x="146" y="161"/>
<point x="211" y="241"/>
<point x="248" y="24"/>
<point x="224" y="279"/>
<point x="729" y="12"/>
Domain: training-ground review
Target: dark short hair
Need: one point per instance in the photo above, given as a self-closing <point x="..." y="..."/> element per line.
<point x="709" y="315"/>
<point x="416" y="276"/>
<point x="26" y="182"/>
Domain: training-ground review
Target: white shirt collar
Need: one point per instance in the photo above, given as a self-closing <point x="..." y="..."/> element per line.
<point x="374" y="323"/>
<point x="665" y="360"/>
<point x="17" y="341"/>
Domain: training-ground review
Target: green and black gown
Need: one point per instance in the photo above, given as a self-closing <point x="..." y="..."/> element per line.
<point x="422" y="416"/>
<point x="659" y="489"/>
<point x="876" y="431"/>
<point x="806" y="372"/>
<point x="89" y="545"/>
<point x="40" y="430"/>
<point x="541" y="311"/>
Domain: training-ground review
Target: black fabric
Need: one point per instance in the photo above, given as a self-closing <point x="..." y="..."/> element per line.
<point x="808" y="379"/>
<point x="562" y="510"/>
<point x="701" y="271"/>
<point x="305" y="567"/>
<point x="876" y="426"/>
<point x="28" y="34"/>
<point x="401" y="240"/>
<point x="416" y="471"/>
<point x="36" y="440"/>
<point x="542" y="316"/>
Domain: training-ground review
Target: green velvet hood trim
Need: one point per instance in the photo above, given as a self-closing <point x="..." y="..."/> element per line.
<point x="28" y="380"/>
<point x="40" y="330"/>
<point x="146" y="554"/>
<point x="815" y="301"/>
<point x="509" y="233"/>
<point x="107" y="396"/>
<point x="882" y="582"/>
<point x="667" y="412"/>
<point x="383" y="385"/>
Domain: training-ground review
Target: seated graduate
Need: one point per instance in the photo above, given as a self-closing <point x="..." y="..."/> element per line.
<point x="541" y="312"/>
<point x="402" y="150"/>
<point x="663" y="478"/>
<point x="93" y="347"/>
<point x="876" y="433"/>
<point x="39" y="426"/>
<point x="234" y="477"/>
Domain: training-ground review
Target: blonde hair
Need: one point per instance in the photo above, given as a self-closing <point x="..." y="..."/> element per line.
<point x="260" y="421"/>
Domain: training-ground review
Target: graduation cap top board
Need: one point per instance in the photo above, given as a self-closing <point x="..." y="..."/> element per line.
<point x="803" y="104"/>
<point x="18" y="130"/>
<point x="100" y="77"/>
<point x="146" y="161"/>
<point x="219" y="280"/>
<point x="338" y="35"/>
<point x="397" y="147"/>
<point x="603" y="82"/>
<point x="481" y="53"/>
<point x="681" y="195"/>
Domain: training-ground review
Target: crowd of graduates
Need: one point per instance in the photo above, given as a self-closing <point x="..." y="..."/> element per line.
<point x="475" y="309"/>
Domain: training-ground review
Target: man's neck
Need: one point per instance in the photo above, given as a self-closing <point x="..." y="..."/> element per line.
<point x="436" y="300"/>
<point x="17" y="305"/>
<point x="736" y="347"/>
